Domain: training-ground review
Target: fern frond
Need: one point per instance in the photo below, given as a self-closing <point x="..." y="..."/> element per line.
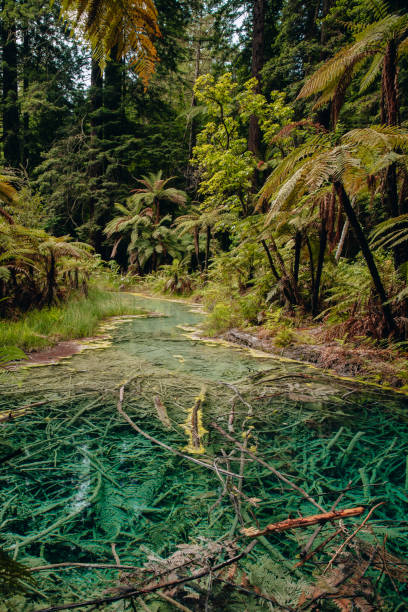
<point x="128" y="26"/>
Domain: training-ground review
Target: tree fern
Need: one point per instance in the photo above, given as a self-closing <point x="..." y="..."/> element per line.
<point x="126" y="26"/>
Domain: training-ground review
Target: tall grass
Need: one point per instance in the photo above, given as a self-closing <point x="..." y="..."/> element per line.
<point x="78" y="318"/>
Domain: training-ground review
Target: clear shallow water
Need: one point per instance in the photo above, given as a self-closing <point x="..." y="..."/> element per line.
<point x="79" y="457"/>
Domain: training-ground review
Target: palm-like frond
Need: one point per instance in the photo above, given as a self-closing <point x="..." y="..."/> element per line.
<point x="380" y="137"/>
<point x="390" y="233"/>
<point x="7" y="192"/>
<point x="128" y="26"/>
<point x="370" y="42"/>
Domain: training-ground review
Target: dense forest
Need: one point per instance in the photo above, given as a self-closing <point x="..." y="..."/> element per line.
<point x="252" y="152"/>
<point x="246" y="160"/>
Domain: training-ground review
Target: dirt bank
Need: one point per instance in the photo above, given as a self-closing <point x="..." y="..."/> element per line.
<point x="381" y="366"/>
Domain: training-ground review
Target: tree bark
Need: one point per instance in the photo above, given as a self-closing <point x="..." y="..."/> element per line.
<point x="26" y="123"/>
<point x="51" y="279"/>
<point x="11" y="116"/>
<point x="319" y="269"/>
<point x="258" y="44"/>
<point x="298" y="246"/>
<point x="390" y="116"/>
<point x="342" y="240"/>
<point x="197" y="246"/>
<point x="270" y="260"/>
<point x="207" y="247"/>
<point x="368" y="256"/>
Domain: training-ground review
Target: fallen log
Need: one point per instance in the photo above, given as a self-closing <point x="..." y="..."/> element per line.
<point x="304" y="521"/>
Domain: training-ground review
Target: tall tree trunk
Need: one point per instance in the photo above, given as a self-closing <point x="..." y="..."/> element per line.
<point x="113" y="99"/>
<point x="96" y="99"/>
<point x="197" y="246"/>
<point x="258" y="44"/>
<point x="296" y="262"/>
<point x="207" y="247"/>
<point x="270" y="260"/>
<point x="389" y="84"/>
<point x="368" y="256"/>
<point x="197" y="62"/>
<point x="95" y="164"/>
<point x="390" y="116"/>
<point x="51" y="279"/>
<point x="26" y="125"/>
<point x="319" y="269"/>
<point x="11" y="118"/>
<point x="311" y="264"/>
<point x="286" y="275"/>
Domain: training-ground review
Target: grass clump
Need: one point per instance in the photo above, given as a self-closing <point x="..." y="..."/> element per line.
<point x="77" y="318"/>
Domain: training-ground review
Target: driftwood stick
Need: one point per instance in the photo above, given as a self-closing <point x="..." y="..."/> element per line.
<point x="129" y="593"/>
<point x="195" y="434"/>
<point x="305" y="521"/>
<point x="162" y="444"/>
<point x="269" y="467"/>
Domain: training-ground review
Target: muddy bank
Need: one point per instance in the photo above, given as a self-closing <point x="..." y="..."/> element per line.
<point x="64" y="349"/>
<point x="364" y="363"/>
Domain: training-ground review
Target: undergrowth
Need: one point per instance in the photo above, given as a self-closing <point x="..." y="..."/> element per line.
<point x="77" y="318"/>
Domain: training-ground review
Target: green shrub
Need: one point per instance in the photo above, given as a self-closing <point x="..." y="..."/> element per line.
<point x="284" y="337"/>
<point x="220" y="319"/>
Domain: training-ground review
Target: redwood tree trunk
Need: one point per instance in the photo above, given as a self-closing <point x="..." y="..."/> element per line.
<point x="197" y="246"/>
<point x="258" y="43"/>
<point x="11" y="118"/>
<point x="390" y="116"/>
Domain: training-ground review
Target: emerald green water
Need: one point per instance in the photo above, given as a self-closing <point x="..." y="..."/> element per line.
<point x="84" y="480"/>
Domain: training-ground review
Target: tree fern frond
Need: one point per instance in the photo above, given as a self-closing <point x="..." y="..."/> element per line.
<point x="126" y="25"/>
<point x="369" y="42"/>
<point x="372" y="72"/>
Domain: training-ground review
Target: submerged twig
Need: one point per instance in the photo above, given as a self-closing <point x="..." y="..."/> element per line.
<point x="269" y="467"/>
<point x="162" y="444"/>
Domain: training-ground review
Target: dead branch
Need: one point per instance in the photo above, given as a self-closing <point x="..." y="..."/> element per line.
<point x="162" y="412"/>
<point x="162" y="444"/>
<point x="269" y="467"/>
<point x="316" y="532"/>
<point x="305" y="521"/>
<point x="42" y="568"/>
<point x="351" y="536"/>
<point x="318" y="548"/>
<point x="128" y="593"/>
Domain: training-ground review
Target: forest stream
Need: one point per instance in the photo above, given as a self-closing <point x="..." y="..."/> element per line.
<point x="85" y="487"/>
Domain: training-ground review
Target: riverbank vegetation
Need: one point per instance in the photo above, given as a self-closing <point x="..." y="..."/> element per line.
<point x="77" y="318"/>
